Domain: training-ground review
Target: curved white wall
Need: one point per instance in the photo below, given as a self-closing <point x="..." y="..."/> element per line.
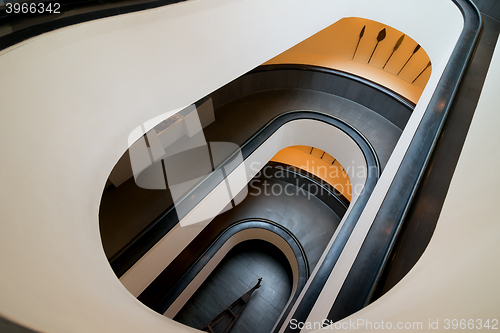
<point x="71" y="97"/>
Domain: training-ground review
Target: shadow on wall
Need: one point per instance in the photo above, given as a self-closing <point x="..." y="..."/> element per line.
<point x="369" y="49"/>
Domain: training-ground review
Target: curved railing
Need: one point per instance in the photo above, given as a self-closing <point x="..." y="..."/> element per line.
<point x="384" y="101"/>
<point x="303" y="179"/>
<point x="379" y="243"/>
<point x="26" y="24"/>
<point x="332" y="71"/>
<point x="127" y="257"/>
<point x="159" y="297"/>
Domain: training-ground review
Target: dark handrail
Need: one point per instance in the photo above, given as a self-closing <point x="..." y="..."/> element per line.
<point x="127" y="257"/>
<point x="159" y="299"/>
<point x="383" y="101"/>
<point x="374" y="253"/>
<point x="331" y="191"/>
<point x="387" y="91"/>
